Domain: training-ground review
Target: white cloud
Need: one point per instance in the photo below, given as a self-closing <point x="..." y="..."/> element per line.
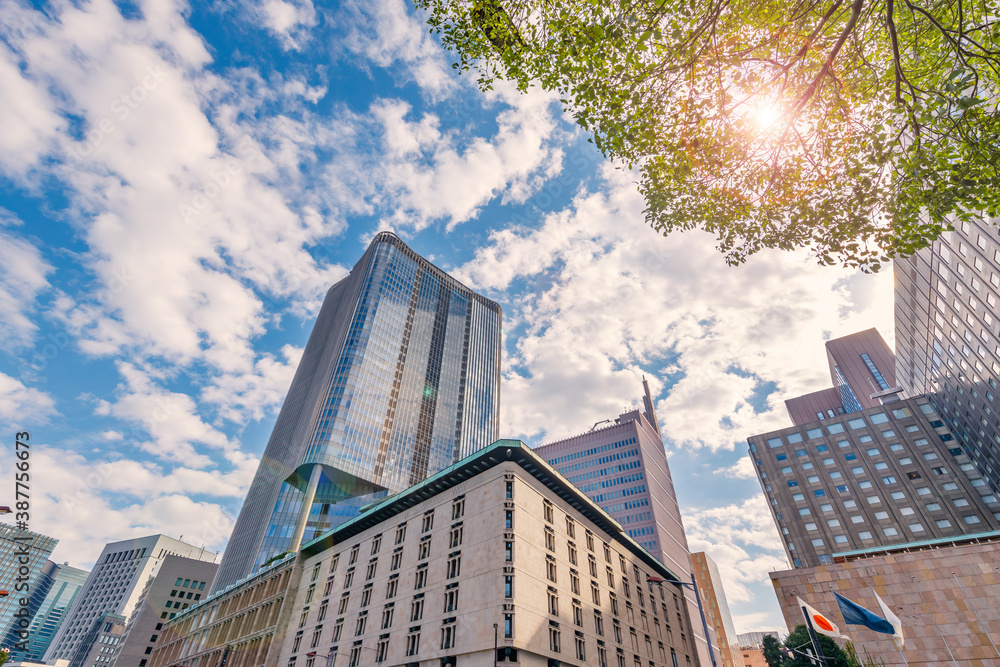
<point x="289" y="21"/>
<point x="601" y="299"/>
<point x="29" y="124"/>
<point x="23" y="275"/>
<point x="170" y="418"/>
<point x="23" y="406"/>
<point x="389" y="32"/>
<point x="251" y="395"/>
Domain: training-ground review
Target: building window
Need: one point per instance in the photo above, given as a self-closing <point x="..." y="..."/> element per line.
<point x="397" y="559"/>
<point x="581" y="649"/>
<point x="387" y="614"/>
<point x="553" y="598"/>
<point x="458" y="509"/>
<point x="359" y="629"/>
<point x="451" y="600"/>
<point x="554" y="644"/>
<point x="376" y="544"/>
<point x="354" y="554"/>
<point x="550" y="539"/>
<point x="508" y="626"/>
<point x="607" y="553"/>
<point x="550" y="569"/>
<point x="366" y="597"/>
<point x="424" y="548"/>
<point x="571" y="548"/>
<point x="391" y="587"/>
<point x="417" y="609"/>
<point x="595" y="594"/>
<point x="381" y="650"/>
<point x="574" y="582"/>
<point x="508" y="519"/>
<point x="508" y="490"/>
<point x="590" y="541"/>
<point x="448" y="634"/>
<point x="428" y="521"/>
<point x="577" y="613"/>
<point x="421" y="578"/>
<point x="547" y="511"/>
<point x="570" y="527"/>
<point x="413" y="641"/>
<point x="454" y="567"/>
<point x="370" y="573"/>
<point x="508" y="548"/>
<point x="455" y="537"/>
<point x="400" y="533"/>
<point x="508" y="586"/>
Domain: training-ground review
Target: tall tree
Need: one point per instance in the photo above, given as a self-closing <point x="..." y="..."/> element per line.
<point x="857" y="128"/>
<point x="799" y="640"/>
<point x="772" y="651"/>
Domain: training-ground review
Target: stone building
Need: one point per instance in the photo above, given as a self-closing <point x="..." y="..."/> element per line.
<point x="495" y="558"/>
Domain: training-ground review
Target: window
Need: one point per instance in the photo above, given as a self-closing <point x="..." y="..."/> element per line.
<point x="547" y="511"/>
<point x="865" y="535"/>
<point x="889" y="480"/>
<point x="508" y="490"/>
<point x="971" y="519"/>
<point x="359" y="628"/>
<point x="571" y="548"/>
<point x="550" y="569"/>
<point x="898" y="495"/>
<point x="873" y="500"/>
<point x="337" y="629"/>
<point x="553" y="599"/>
<point x="787" y="470"/>
<point x="400" y="533"/>
<point x="590" y="541"/>
<point x="508" y="626"/>
<point x="454" y="567"/>
<point x="424" y="550"/>
<point x="448" y="633"/>
<point x="458" y="508"/>
<point x="451" y="599"/>
<point x="592" y="564"/>
<point x="421" y="578"/>
<point x="428" y="521"/>
<point x="857" y="518"/>
<point x="932" y="507"/>
<point x="508" y="519"/>
<point x="354" y="555"/>
<point x="595" y="593"/>
<point x="366" y="597"/>
<point x="376" y="544"/>
<point x="960" y="502"/>
<point x="387" y="613"/>
<point x="455" y="537"/>
<point x="508" y="586"/>
<point x="417" y="609"/>
<point x="554" y="640"/>
<point x="381" y="649"/>
<point x="370" y="572"/>
<point x="581" y="650"/>
<point x="508" y="548"/>
<point x="570" y="527"/>
<point x="817" y="541"/>
<point x="798" y="497"/>
<point x="574" y="583"/>
<point x="390" y="589"/>
<point x="943" y="523"/>
<point x="412" y="641"/>
<point x="577" y="613"/>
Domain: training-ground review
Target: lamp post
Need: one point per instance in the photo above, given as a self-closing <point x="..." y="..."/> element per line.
<point x="495" y="645"/>
<point x="704" y="622"/>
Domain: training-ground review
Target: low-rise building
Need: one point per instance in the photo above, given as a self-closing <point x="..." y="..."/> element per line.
<point x="496" y="558"/>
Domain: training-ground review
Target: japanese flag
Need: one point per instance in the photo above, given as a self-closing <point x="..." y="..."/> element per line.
<point x="821" y="623"/>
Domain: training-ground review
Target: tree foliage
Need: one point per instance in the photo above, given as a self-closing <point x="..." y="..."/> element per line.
<point x="857" y="128"/>
<point x="835" y="656"/>
<point x="772" y="651"/>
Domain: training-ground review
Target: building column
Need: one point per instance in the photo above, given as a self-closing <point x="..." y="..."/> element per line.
<point x="307" y="501"/>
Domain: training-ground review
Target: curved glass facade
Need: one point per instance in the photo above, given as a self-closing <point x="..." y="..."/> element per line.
<point x="400" y="379"/>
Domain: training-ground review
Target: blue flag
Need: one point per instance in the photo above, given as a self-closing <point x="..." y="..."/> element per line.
<point x="855" y="614"/>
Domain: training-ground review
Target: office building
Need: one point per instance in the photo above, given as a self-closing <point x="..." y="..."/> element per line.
<point x="239" y="625"/>
<point x="716" y="607"/>
<point x="110" y="595"/>
<point x="180" y="583"/>
<point x="399" y="379"/>
<point x="862" y="368"/>
<point x="55" y="591"/>
<point x="495" y="558"/>
<point x="623" y="468"/>
<point x="23" y="555"/>
<point x="948" y="336"/>
<point x="884" y="476"/>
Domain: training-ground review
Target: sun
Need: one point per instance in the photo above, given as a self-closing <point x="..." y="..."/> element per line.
<point x="766" y="117"/>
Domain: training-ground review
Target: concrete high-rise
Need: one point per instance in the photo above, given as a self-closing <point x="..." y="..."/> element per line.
<point x="23" y="555"/>
<point x="55" y="590"/>
<point x="110" y="594"/>
<point x="399" y="379"/>
<point x="623" y="468"/>
<point x="716" y="606"/>
<point x="948" y="335"/>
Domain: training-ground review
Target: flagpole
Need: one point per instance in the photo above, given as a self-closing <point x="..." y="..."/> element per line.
<point x="812" y="636"/>
<point x="986" y="630"/>
<point x="894" y="642"/>
<point x="914" y="579"/>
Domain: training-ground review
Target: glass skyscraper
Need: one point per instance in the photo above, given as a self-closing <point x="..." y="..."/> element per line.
<point x="948" y="335"/>
<point x="399" y="379"/>
<point x="53" y="594"/>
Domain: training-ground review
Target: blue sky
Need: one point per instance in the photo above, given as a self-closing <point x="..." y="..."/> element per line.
<point x="180" y="184"/>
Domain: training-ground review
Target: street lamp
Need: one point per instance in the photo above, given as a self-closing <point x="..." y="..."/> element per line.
<point x="704" y="623"/>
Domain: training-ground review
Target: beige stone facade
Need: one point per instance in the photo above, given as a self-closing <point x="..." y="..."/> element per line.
<point x="514" y="546"/>
<point x="947" y="598"/>
<point x="239" y="624"/>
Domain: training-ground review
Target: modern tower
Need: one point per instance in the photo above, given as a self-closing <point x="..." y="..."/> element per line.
<point x="716" y="607"/>
<point x="55" y="589"/>
<point x="111" y="592"/>
<point x="23" y="555"/>
<point x="948" y="335"/>
<point x="623" y="469"/>
<point x="400" y="378"/>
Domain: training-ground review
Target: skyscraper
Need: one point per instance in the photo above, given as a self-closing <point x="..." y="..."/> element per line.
<point x="948" y="335"/>
<point x="399" y="379"/>
<point x="623" y="469"/>
<point x="23" y="554"/>
<point x="716" y="607"/>
<point x="56" y="589"/>
<point x="111" y="592"/>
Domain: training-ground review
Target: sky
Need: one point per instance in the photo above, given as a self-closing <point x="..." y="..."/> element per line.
<point x="180" y="184"/>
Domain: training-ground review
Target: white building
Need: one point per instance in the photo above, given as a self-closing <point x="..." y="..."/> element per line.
<point x="113" y="588"/>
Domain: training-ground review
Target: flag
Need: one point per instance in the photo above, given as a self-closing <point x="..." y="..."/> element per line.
<point x="855" y="614"/>
<point x="897" y="626"/>
<point x="819" y="622"/>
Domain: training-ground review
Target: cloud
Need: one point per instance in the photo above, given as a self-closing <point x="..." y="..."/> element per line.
<point x="387" y="33"/>
<point x="23" y="275"/>
<point x="23" y="406"/>
<point x="288" y="21"/>
<point x="599" y="299"/>
<point x="251" y="395"/>
<point x="169" y="418"/>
